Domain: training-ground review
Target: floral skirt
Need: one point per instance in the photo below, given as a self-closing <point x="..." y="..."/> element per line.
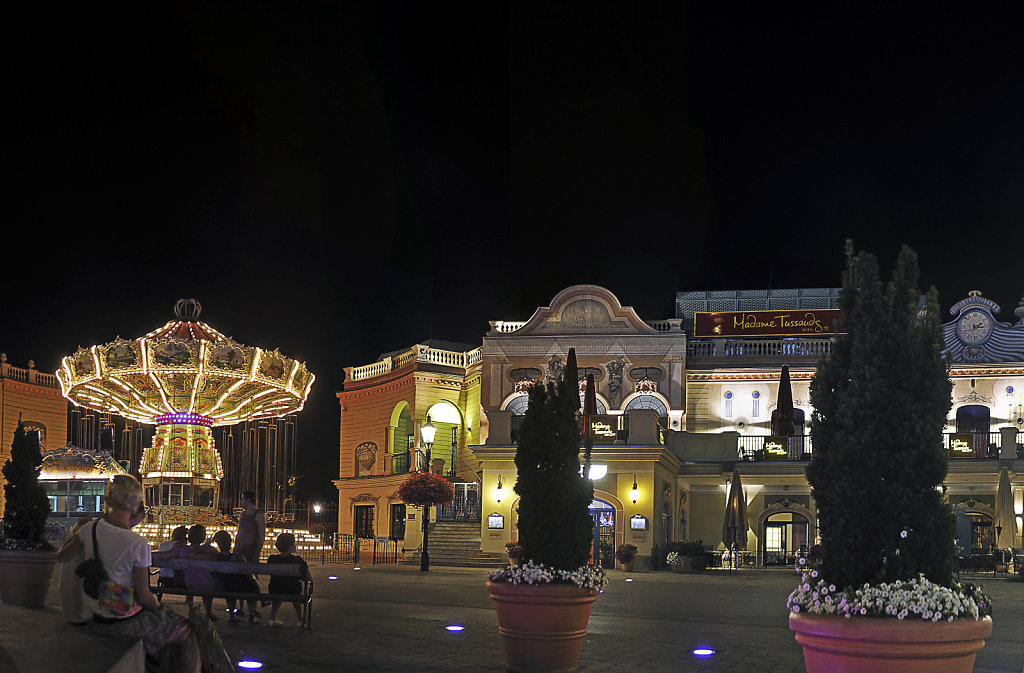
<point x="157" y="629"/>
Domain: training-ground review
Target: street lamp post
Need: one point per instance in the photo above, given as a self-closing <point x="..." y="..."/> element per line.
<point x="427" y="431"/>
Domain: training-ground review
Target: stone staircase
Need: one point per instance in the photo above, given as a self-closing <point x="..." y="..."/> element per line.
<point x="458" y="544"/>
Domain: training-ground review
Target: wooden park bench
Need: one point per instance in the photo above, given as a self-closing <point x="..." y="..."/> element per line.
<point x="165" y="560"/>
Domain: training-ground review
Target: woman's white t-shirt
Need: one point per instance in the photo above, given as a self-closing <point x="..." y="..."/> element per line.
<point x="121" y="551"/>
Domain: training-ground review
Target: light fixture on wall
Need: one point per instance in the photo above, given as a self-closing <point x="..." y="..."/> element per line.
<point x="499" y="493"/>
<point x="634" y="493"/>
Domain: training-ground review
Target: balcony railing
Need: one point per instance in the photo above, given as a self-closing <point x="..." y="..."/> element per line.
<point x="751" y="447"/>
<point x="759" y="348"/>
<point x="984" y="445"/>
<point x="399" y="463"/>
<point x="415" y="354"/>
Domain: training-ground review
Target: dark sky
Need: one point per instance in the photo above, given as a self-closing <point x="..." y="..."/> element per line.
<point x="344" y="179"/>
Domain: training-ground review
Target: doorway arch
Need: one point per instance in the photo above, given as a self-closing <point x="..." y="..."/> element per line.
<point x="798" y="526"/>
<point x="603" y="514"/>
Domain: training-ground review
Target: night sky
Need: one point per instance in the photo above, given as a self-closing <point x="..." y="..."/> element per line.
<point x="343" y="179"/>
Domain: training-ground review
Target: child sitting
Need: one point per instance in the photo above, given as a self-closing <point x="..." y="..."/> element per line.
<point x="199" y="580"/>
<point x="286" y="585"/>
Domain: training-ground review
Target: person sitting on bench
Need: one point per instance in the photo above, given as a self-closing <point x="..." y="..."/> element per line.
<point x="286" y="584"/>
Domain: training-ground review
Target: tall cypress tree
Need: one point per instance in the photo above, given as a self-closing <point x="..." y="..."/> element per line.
<point x="880" y="404"/>
<point x="25" y="503"/>
<point x="555" y="526"/>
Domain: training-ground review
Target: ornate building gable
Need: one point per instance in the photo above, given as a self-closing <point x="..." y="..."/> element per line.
<point x="579" y="310"/>
<point x="975" y="337"/>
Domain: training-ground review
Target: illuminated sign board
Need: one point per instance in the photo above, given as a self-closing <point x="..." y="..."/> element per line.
<point x="804" y="322"/>
<point x="638" y="522"/>
<point x="495" y="520"/>
<point x="776" y="447"/>
<point x="961" y="445"/>
<point x="604" y="428"/>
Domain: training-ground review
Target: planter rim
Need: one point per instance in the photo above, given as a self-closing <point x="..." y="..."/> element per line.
<point x="889" y="629"/>
<point x="540" y="587"/>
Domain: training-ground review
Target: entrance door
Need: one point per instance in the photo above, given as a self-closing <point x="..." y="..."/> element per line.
<point x="785" y="537"/>
<point x="603" y="515"/>
<point x="397" y="522"/>
<point x="775" y="544"/>
<point x="363" y="521"/>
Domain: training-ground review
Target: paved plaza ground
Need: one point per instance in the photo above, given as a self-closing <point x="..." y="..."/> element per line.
<point x="392" y="618"/>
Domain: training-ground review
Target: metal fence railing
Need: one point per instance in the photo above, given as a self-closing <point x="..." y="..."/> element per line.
<point x="795" y="447"/>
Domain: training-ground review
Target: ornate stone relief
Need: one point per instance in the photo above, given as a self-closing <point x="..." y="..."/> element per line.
<point x="615" y="369"/>
<point x="974" y="397"/>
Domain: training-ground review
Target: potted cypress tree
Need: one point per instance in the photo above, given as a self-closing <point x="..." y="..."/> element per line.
<point x="543" y="604"/>
<point x="884" y="596"/>
<point x="26" y="558"/>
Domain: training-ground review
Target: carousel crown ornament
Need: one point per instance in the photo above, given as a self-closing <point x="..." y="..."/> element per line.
<point x="185" y="378"/>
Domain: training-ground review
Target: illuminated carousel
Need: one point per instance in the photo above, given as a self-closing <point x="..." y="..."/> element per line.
<point x="184" y="378"/>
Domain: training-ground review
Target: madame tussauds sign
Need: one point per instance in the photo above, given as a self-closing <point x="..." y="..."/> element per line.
<point x="768" y="323"/>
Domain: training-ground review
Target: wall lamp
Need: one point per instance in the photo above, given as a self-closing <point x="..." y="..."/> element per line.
<point x="499" y="493"/>
<point x="634" y="493"/>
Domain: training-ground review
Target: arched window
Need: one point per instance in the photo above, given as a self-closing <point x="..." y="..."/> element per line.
<point x="727" y="404"/>
<point x="518" y="405"/>
<point x="648" y="402"/>
<point x="755" y="409"/>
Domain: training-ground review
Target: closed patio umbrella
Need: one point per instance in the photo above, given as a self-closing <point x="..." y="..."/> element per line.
<point x="734" y="528"/>
<point x="1005" y="518"/>
<point x="785" y="416"/>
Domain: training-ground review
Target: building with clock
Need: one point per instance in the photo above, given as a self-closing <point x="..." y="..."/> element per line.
<point x="683" y="402"/>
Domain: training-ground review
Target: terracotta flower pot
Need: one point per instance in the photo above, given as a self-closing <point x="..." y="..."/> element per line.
<point x="888" y="645"/>
<point x="25" y="576"/>
<point x="542" y="626"/>
<point x="628" y="565"/>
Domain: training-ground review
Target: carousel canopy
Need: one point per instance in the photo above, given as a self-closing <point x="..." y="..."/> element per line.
<point x="185" y="367"/>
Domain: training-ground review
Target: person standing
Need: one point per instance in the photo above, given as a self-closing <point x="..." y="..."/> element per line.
<point x="252" y="529"/>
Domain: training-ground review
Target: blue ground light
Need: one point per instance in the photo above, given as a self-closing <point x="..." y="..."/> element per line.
<point x="454" y="627"/>
<point x="250" y="664"/>
<point x="703" y="652"/>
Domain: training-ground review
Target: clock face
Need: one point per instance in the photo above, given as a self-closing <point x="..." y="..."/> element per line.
<point x="974" y="326"/>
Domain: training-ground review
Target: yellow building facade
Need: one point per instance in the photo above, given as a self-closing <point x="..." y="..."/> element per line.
<point x="382" y="408"/>
<point x="683" y="403"/>
<point x="36" y="398"/>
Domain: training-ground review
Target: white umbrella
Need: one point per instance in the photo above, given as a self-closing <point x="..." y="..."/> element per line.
<point x="1005" y="523"/>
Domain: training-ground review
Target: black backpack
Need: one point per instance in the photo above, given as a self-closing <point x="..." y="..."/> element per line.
<point x="91" y="570"/>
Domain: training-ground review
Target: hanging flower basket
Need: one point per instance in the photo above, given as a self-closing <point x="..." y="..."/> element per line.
<point x="424" y="489"/>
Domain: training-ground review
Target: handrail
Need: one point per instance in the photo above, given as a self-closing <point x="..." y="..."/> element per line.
<point x="751" y="348"/>
<point x="418" y="353"/>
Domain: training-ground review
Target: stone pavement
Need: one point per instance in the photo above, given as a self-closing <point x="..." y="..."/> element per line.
<point x="392" y="618"/>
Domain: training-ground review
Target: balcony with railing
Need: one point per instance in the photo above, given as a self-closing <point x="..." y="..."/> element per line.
<point x="960" y="445"/>
<point x="399" y="463"/>
<point x="717" y="352"/>
<point x="771" y="448"/>
<point x="417" y="354"/>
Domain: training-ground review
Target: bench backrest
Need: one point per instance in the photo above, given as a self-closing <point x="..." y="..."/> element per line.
<point x="162" y="560"/>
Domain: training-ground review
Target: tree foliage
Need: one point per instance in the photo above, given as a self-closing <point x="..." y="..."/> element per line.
<point x="26" y="505"/>
<point x="555" y="526"/>
<point x="880" y="404"/>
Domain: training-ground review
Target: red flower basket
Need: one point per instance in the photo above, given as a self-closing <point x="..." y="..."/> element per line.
<point x="424" y="489"/>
